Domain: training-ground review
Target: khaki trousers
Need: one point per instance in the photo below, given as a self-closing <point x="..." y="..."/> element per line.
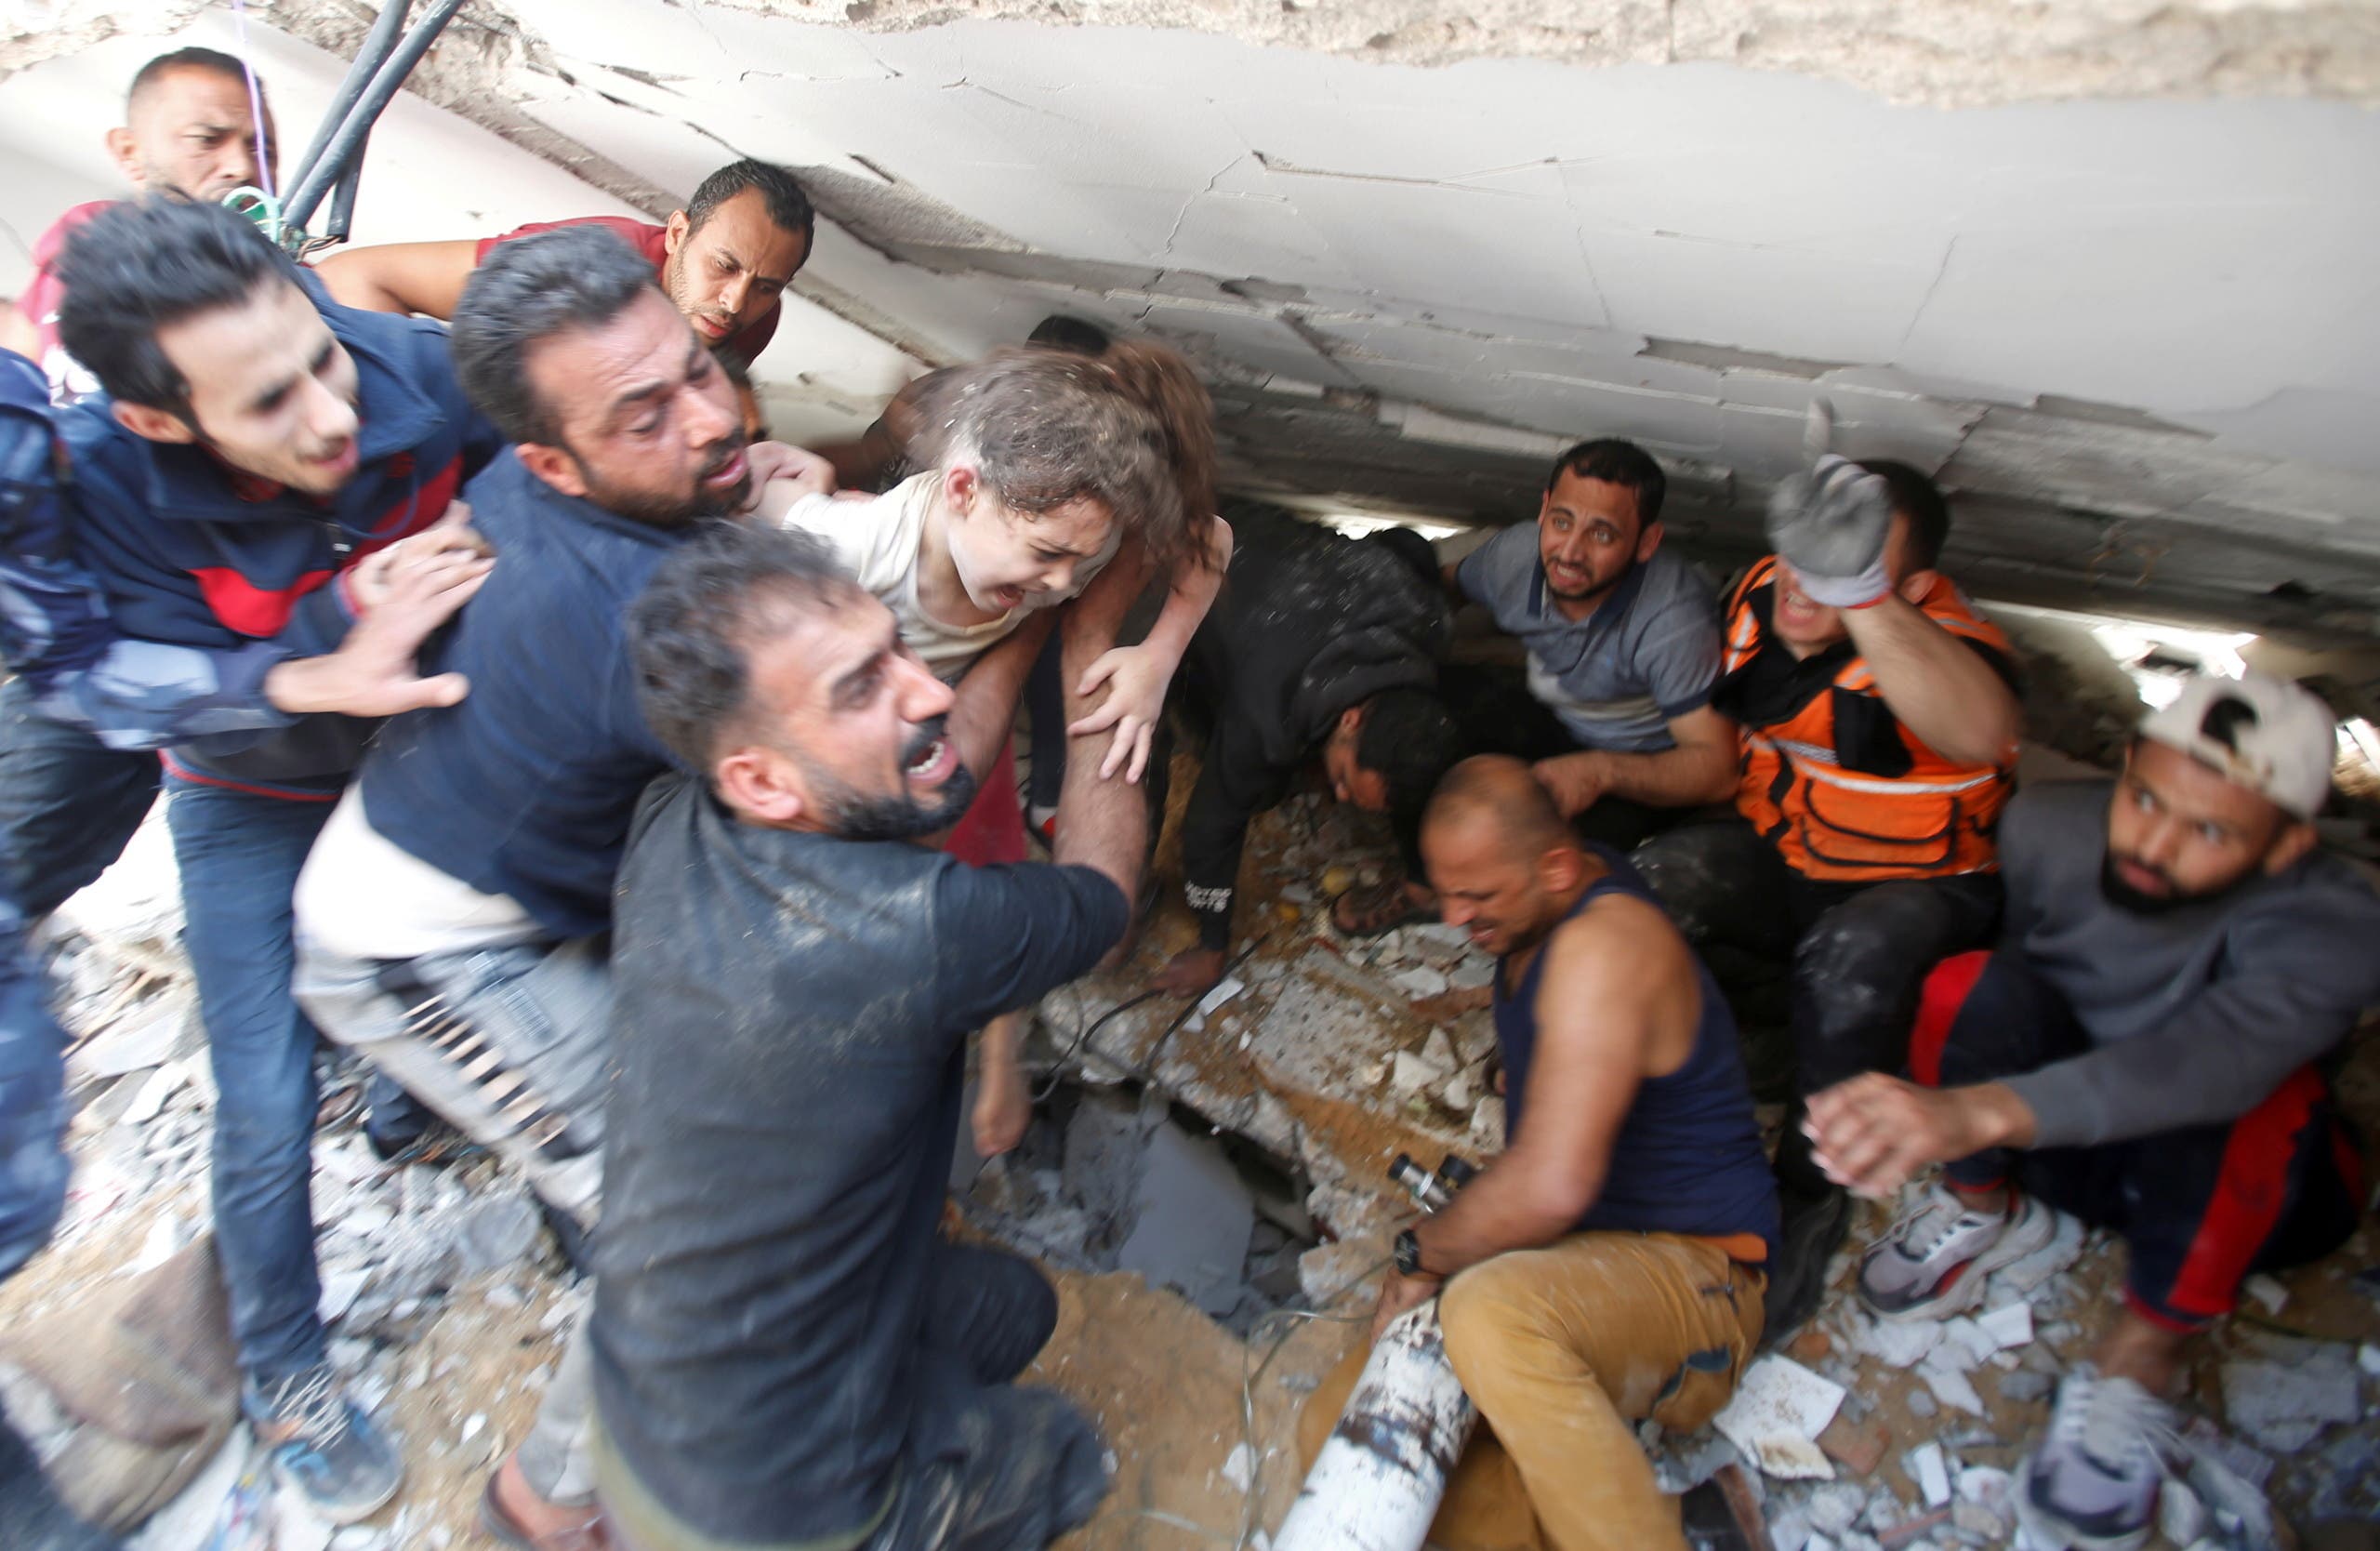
<point x="1563" y="1349"/>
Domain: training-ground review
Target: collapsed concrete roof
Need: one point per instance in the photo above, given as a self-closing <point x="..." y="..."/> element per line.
<point x="2106" y="274"/>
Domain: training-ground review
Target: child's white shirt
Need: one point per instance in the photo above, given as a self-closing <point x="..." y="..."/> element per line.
<point x="881" y="541"/>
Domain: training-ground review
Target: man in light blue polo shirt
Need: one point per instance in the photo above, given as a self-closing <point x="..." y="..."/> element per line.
<point x="1623" y="648"/>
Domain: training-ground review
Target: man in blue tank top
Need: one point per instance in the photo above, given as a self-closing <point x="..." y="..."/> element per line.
<point x="1608" y="1265"/>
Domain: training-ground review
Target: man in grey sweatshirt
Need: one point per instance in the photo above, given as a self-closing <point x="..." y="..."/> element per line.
<point x="2146" y="1049"/>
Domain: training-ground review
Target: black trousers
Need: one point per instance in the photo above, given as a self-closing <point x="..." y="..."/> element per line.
<point x="1837" y="964"/>
<point x="988" y="1465"/>
<point x="2199" y="1208"/>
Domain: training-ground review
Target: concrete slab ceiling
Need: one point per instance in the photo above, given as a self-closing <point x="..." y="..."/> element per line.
<point x="2107" y="274"/>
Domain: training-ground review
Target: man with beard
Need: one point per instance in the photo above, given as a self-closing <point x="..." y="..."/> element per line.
<point x="453" y="919"/>
<point x="725" y="259"/>
<point x="1608" y="1265"/>
<point x="190" y="131"/>
<point x="785" y="1351"/>
<point x="1623" y="650"/>
<point x="252" y="459"/>
<point x="1879" y="744"/>
<point x="2145" y="1049"/>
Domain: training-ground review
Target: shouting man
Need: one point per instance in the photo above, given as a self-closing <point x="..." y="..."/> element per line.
<point x="786" y="1353"/>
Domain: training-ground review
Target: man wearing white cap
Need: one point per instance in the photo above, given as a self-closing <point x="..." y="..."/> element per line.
<point x="2145" y="1049"/>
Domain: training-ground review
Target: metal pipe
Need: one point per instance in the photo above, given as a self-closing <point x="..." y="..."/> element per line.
<point x="386" y="28"/>
<point x="1378" y="1482"/>
<point x="342" y="217"/>
<point x="349" y="141"/>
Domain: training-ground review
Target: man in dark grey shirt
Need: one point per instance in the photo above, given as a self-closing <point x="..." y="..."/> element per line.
<point x="1623" y="651"/>
<point x="2145" y="1050"/>
<point x="784" y="1353"/>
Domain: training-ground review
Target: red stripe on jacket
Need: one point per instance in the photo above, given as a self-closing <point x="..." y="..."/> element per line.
<point x="264" y="611"/>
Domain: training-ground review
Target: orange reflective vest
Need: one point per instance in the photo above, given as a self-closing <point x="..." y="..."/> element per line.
<point x="1922" y="817"/>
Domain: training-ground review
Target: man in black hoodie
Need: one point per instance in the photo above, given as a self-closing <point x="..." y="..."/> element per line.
<point x="1317" y="645"/>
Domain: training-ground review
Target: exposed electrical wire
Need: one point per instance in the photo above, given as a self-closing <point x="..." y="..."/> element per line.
<point x="256" y="102"/>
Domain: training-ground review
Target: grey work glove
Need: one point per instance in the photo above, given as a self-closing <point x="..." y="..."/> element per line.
<point x="1830" y="522"/>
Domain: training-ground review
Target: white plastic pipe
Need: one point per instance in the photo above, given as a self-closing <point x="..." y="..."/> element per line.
<point x="1376" y="1484"/>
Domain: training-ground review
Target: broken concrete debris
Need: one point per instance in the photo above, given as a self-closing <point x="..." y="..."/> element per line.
<point x="2285" y="1400"/>
<point x="1121" y="1183"/>
<point x="1924" y="1465"/>
<point x="395" y="1242"/>
<point x="1410" y="1073"/>
<point x="2181" y="1518"/>
<point x="1954" y="1390"/>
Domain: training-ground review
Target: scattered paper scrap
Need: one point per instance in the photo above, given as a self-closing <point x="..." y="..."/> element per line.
<point x="1779" y="1410"/>
<point x="1239" y="1467"/>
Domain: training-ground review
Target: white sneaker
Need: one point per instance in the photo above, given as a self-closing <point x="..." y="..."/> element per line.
<point x="1932" y="1263"/>
<point x="2092" y="1482"/>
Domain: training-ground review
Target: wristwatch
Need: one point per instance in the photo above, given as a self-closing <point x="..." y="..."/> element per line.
<point x="1407" y="1250"/>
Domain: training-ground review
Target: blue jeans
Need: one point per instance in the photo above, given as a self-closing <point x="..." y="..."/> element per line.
<point x="239" y="855"/>
<point x="67" y="802"/>
<point x="32" y="1191"/>
<point x="32" y="1101"/>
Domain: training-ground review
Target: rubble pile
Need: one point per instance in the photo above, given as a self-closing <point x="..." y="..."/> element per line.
<point x="1234" y="1151"/>
<point x="1869" y="1434"/>
<point x="396" y="1245"/>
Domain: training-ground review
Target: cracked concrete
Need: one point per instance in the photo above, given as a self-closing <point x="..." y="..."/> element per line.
<point x="2136" y="339"/>
<point x="1939" y="55"/>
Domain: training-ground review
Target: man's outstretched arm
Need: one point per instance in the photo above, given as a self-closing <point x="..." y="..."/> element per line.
<point x="402" y="277"/>
<point x="1701" y="768"/>
<point x="1101" y="824"/>
<point x="982" y="714"/>
<point x="134" y="693"/>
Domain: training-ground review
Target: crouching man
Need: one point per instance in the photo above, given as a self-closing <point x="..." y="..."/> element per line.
<point x="1607" y="1267"/>
<point x="784" y="1353"/>
<point x="2144" y="1049"/>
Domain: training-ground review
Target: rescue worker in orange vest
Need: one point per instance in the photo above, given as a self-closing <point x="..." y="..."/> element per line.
<point x="1879" y="725"/>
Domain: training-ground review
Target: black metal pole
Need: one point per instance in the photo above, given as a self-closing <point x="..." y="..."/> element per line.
<point x="342" y="217"/>
<point x="349" y="141"/>
<point x="386" y="29"/>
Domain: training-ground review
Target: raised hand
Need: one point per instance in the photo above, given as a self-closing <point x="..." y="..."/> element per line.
<point x="1830" y="522"/>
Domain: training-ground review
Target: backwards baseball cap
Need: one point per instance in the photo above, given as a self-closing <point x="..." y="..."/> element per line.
<point x="2256" y="731"/>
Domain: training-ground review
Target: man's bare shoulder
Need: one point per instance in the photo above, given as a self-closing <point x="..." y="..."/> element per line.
<point x="1618" y="979"/>
<point x="1618" y="932"/>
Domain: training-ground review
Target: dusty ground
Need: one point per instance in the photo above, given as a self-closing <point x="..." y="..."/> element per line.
<point x="1303" y="1060"/>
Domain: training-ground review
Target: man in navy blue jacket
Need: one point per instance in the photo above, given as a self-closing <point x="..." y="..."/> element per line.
<point x="477" y="847"/>
<point x="453" y="921"/>
<point x="254" y="456"/>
